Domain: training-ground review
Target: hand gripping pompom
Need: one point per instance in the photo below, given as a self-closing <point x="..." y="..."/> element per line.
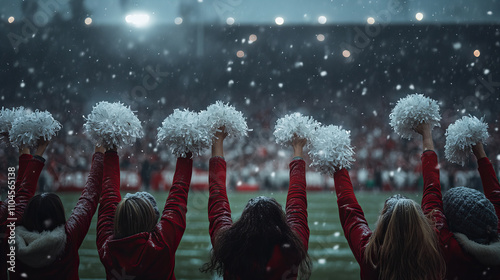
<point x="411" y="111"/>
<point x="113" y="124"/>
<point x="220" y="114"/>
<point x="182" y="132"/>
<point x="461" y="135"/>
<point x="27" y="129"/>
<point x="331" y="149"/>
<point x="296" y="123"/>
<point x="7" y="117"/>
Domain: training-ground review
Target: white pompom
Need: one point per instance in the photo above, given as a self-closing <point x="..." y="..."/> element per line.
<point x="220" y="114"/>
<point x="411" y="111"/>
<point x="296" y="123"/>
<point x="7" y="117"/>
<point x="28" y="128"/>
<point x="113" y="124"/>
<point x="331" y="149"/>
<point x="461" y="136"/>
<point x="183" y="133"/>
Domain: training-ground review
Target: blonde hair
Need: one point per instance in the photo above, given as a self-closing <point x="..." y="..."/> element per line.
<point x="404" y="244"/>
<point x="134" y="215"/>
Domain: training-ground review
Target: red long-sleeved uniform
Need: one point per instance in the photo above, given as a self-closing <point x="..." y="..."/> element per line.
<point x="356" y="229"/>
<point x="76" y="227"/>
<point x="146" y="255"/>
<point x="219" y="212"/>
<point x="459" y="264"/>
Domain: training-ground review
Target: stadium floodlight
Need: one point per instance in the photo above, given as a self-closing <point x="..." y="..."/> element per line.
<point x="138" y="19"/>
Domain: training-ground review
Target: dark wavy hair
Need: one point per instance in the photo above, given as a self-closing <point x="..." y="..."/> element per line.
<point x="243" y="250"/>
<point x="44" y="212"/>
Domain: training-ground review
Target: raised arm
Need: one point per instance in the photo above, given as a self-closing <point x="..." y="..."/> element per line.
<point x="352" y="218"/>
<point x="432" y="201"/>
<point x="489" y="179"/>
<point x="79" y="222"/>
<point x="173" y="219"/>
<point x="219" y="211"/>
<point x="110" y="197"/>
<point x="296" y="202"/>
<point x="28" y="186"/>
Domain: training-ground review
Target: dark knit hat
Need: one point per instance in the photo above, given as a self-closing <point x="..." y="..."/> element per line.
<point x="469" y="212"/>
<point x="147" y="197"/>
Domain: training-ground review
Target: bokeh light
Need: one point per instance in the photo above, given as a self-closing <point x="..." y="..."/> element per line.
<point x="178" y="20"/>
<point x="322" y="20"/>
<point x="419" y="16"/>
<point x="320" y="37"/>
<point x="346" y="53"/>
<point x="279" y="20"/>
<point x="11" y="19"/>
<point x="477" y="53"/>
<point x="370" y="20"/>
<point x="240" y="54"/>
<point x="88" y="21"/>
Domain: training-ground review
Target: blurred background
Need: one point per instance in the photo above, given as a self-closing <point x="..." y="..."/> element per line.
<point x="342" y="62"/>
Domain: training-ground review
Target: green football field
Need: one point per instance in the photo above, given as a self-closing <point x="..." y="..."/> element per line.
<point x="328" y="249"/>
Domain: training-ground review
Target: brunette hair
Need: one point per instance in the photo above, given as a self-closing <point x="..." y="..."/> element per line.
<point x="243" y="250"/>
<point x="133" y="215"/>
<point x="44" y="212"/>
<point x="404" y="244"/>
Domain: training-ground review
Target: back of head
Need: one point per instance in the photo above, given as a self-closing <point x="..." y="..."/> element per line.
<point x="134" y="215"/>
<point x="244" y="249"/>
<point x="469" y="212"/>
<point x="404" y="244"/>
<point x="44" y="212"/>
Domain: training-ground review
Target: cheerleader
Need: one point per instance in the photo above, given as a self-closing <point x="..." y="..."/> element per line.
<point x="130" y="239"/>
<point x="46" y="243"/>
<point x="266" y="242"/>
<point x="403" y="244"/>
<point x="466" y="219"/>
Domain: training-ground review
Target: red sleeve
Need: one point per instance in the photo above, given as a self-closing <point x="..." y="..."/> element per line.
<point x="352" y="218"/>
<point x="296" y="201"/>
<point x="490" y="184"/>
<point x="110" y="198"/>
<point x="28" y="187"/>
<point x="432" y="201"/>
<point x="24" y="160"/>
<point x="173" y="219"/>
<point x="78" y="223"/>
<point x="219" y="211"/>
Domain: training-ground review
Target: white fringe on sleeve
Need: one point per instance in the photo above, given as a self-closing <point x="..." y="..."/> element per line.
<point x="28" y="128"/>
<point x="461" y="135"/>
<point x="220" y="114"/>
<point x="330" y="149"/>
<point x="113" y="124"/>
<point x="182" y="132"/>
<point x="292" y="124"/>
<point x="411" y="111"/>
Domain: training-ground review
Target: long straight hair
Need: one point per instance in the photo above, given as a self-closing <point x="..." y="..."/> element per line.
<point x="44" y="212"/>
<point x="133" y="215"/>
<point x="243" y="250"/>
<point x="404" y="245"/>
